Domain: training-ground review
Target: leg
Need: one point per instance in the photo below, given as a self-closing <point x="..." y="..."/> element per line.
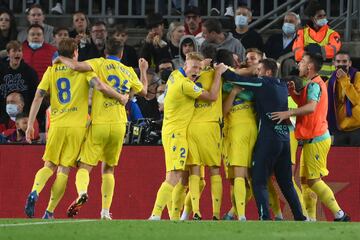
<point x="107" y="190"/>
<point x="274" y="201"/>
<point x="240" y="175"/>
<point x="194" y="188"/>
<point x="216" y="191"/>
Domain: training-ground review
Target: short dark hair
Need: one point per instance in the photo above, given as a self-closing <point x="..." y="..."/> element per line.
<point x="270" y="64"/>
<point x="225" y="56"/>
<point x="21" y="115"/>
<point x="20" y="94"/>
<point x="113" y="47"/>
<point x="209" y="51"/>
<point x="57" y="30"/>
<point x="35" y="26"/>
<point x="153" y="20"/>
<point x="164" y="60"/>
<point x="312" y="8"/>
<point x="36" y="5"/>
<point x="213" y="25"/>
<point x="67" y="47"/>
<point x="99" y="23"/>
<point x="118" y="28"/>
<point x="316" y="59"/>
<point x="343" y="52"/>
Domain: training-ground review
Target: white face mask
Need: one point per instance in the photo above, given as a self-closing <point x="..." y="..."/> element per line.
<point x="288" y="28"/>
<point x="161" y="98"/>
<point x="12" y="110"/>
<point x="241" y="20"/>
<point x="34" y="45"/>
<point x="321" y="22"/>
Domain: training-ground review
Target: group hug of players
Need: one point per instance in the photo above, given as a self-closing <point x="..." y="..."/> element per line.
<point x="207" y="118"/>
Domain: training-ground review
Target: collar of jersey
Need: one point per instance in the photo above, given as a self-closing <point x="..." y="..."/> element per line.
<point x="182" y="71"/>
<point x="112" y="57"/>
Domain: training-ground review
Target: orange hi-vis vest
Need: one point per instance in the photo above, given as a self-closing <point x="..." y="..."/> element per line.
<point x="314" y="124"/>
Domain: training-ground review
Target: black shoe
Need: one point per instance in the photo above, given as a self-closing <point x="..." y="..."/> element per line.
<point x="215" y="218"/>
<point x="76" y="205"/>
<point x="345" y="218"/>
<point x="196" y="217"/>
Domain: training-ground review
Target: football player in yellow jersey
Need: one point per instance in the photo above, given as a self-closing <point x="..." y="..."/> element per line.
<point x="107" y="130"/>
<point x="181" y="92"/>
<point x="69" y="92"/>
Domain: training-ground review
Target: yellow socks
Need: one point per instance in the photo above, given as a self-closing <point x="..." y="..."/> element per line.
<point x="310" y="200"/>
<point x="82" y="180"/>
<point x="300" y="196"/>
<point x="107" y="190"/>
<point x="194" y="188"/>
<point x="57" y="191"/>
<point x="41" y="177"/>
<point x="240" y="193"/>
<point x="162" y="198"/>
<point x="326" y="196"/>
<point x="177" y="195"/>
<point x="274" y="200"/>
<point x="216" y="194"/>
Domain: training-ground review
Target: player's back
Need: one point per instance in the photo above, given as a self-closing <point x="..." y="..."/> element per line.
<point x="179" y="102"/>
<point x="122" y="79"/>
<point x="69" y="91"/>
<point x="206" y="111"/>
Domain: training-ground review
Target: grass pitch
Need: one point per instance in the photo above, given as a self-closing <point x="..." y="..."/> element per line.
<point x="126" y="229"/>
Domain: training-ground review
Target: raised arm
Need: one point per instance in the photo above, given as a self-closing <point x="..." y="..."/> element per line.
<point x="229" y="100"/>
<point x="35" y="106"/>
<point x="213" y="94"/>
<point x="143" y="66"/>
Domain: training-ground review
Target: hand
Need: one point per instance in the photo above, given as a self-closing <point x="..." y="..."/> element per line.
<point x="291" y="87"/>
<point x="29" y="134"/>
<point x="340" y="73"/>
<point x="150" y="37"/>
<point x="124" y="99"/>
<point x="220" y="68"/>
<point x="206" y="62"/>
<point x="280" y="116"/>
<point x="143" y="64"/>
<point x="157" y="41"/>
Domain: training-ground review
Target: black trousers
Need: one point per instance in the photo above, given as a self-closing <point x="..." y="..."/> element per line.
<point x="273" y="157"/>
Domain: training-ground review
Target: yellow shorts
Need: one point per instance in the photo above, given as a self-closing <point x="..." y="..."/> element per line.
<point x="204" y="141"/>
<point x="313" y="159"/>
<point x="293" y="147"/>
<point x="176" y="151"/>
<point x="241" y="142"/>
<point x="103" y="143"/>
<point x="63" y="145"/>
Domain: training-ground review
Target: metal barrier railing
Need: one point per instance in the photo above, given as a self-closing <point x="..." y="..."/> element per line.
<point x="344" y="11"/>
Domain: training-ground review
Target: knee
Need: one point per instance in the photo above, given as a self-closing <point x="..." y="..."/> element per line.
<point x="50" y="165"/>
<point x="106" y="169"/>
<point x="64" y="170"/>
<point x="311" y="182"/>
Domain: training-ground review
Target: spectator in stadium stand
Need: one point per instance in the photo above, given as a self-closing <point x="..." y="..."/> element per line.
<point x="154" y="48"/>
<point x="187" y="44"/>
<point x="21" y="123"/>
<point x="37" y="53"/>
<point x="193" y="23"/>
<point x="14" y="106"/>
<point x="60" y="34"/>
<point x="164" y="69"/>
<point x="8" y="30"/>
<point x="148" y="105"/>
<point x="16" y="75"/>
<point x="317" y="37"/>
<point x="129" y="55"/>
<point x="344" y="102"/>
<point x="96" y="47"/>
<point x="247" y="36"/>
<point x="280" y="44"/>
<point x="80" y="30"/>
<point x="175" y="32"/>
<point x="212" y="32"/>
<point x="35" y="15"/>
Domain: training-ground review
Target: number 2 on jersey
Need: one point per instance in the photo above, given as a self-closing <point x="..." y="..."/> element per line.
<point x="63" y="86"/>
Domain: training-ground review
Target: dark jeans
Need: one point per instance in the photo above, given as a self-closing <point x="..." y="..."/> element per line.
<point x="273" y="156"/>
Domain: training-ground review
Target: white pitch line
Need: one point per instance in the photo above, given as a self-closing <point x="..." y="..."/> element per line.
<point x="44" y="223"/>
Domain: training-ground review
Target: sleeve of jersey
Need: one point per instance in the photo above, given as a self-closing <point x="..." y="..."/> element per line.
<point x="190" y="89"/>
<point x="313" y="92"/>
<point x="250" y="83"/>
<point x="90" y="75"/>
<point x="136" y="84"/>
<point x="95" y="64"/>
<point x="45" y="81"/>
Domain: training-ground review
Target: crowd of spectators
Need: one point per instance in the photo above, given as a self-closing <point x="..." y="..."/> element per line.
<point x="26" y="54"/>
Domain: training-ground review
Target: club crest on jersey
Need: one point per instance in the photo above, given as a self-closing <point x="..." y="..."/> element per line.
<point x="197" y="89"/>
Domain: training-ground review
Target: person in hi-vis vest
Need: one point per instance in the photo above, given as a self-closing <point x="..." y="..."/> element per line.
<point x="317" y="37"/>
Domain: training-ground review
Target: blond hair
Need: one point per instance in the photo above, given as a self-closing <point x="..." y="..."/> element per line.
<point x="194" y="56"/>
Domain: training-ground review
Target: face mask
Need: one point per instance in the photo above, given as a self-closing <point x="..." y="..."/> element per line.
<point x="321" y="22"/>
<point x="165" y="74"/>
<point x="34" y="45"/>
<point x="12" y="110"/>
<point x="161" y="98"/>
<point x="288" y="28"/>
<point x="241" y="20"/>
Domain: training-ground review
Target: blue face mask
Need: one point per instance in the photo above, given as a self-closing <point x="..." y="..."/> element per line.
<point x="34" y="45"/>
<point x="241" y="20"/>
<point x="12" y="110"/>
<point x="288" y="28"/>
<point x="321" y="22"/>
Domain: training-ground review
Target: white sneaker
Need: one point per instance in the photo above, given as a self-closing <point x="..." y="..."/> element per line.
<point x="154" y="218"/>
<point x="229" y="11"/>
<point x="57" y="9"/>
<point x="105" y="215"/>
<point x="242" y="219"/>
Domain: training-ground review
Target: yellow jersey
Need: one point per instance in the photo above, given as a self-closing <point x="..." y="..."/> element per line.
<point x="69" y="93"/>
<point x="107" y="110"/>
<point x="206" y="111"/>
<point x="180" y="95"/>
<point x="242" y="110"/>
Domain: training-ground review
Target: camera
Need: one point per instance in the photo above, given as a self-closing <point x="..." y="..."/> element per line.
<point x="144" y="131"/>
